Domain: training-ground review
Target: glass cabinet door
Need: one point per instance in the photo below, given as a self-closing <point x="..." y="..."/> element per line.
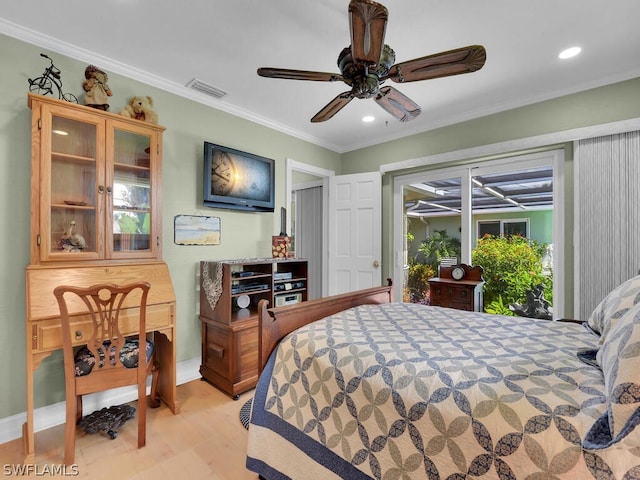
<point x="69" y="199"/>
<point x="131" y="195"/>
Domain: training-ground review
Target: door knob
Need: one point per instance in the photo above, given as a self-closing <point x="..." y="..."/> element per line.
<point x="376" y="264"/>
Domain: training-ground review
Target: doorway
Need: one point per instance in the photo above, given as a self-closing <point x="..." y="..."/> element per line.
<point x="307" y="202"/>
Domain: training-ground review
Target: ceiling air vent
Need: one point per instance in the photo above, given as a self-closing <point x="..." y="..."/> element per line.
<point x="202" y="87"/>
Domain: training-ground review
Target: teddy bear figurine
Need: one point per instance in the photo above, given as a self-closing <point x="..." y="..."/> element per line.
<point x="140" y="108"/>
<point x="96" y="88"/>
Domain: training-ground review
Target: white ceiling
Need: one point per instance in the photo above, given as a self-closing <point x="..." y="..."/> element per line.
<point x="167" y="43"/>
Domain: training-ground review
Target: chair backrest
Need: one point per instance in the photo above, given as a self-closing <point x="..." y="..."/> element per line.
<point x="104" y="307"/>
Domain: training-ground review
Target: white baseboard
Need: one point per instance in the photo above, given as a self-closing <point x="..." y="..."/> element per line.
<point x="52" y="415"/>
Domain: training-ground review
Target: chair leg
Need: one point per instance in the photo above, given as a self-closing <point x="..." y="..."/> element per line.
<point x="154" y="397"/>
<point x="70" y="429"/>
<point x="142" y="413"/>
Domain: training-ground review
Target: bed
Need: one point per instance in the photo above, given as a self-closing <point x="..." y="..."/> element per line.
<point x="355" y="386"/>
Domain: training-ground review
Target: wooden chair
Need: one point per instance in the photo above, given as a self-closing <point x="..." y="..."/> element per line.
<point x="110" y="360"/>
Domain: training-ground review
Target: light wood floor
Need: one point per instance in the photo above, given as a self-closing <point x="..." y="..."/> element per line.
<point x="205" y="441"/>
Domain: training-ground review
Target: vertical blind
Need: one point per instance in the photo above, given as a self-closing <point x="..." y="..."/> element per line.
<point x="308" y="235"/>
<point x="607" y="216"/>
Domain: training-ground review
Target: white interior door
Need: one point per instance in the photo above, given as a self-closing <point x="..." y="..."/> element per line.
<point x="355" y="231"/>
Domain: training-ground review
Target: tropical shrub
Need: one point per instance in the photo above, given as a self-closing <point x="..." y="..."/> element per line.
<point x="438" y="246"/>
<point x="417" y="286"/>
<point x="497" y="307"/>
<point x="512" y="265"/>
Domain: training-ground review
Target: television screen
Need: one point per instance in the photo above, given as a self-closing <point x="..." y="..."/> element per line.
<point x="237" y="180"/>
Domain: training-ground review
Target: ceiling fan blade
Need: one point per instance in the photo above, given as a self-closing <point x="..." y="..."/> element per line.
<point x="286" y="73"/>
<point x="444" y="64"/>
<point x="333" y="107"/>
<point x="397" y="104"/>
<point x="367" y="23"/>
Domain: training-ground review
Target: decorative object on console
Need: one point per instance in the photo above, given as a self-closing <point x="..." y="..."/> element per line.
<point x="96" y="88"/>
<point x="140" y="108"/>
<point x="281" y="244"/>
<point x="458" y="273"/>
<point x="243" y="301"/>
<point x="283" y="222"/>
<point x="281" y="247"/>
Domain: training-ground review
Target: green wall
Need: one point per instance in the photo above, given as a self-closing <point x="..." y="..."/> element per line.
<point x="188" y="124"/>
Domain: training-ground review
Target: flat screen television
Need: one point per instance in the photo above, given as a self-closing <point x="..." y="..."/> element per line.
<point x="237" y="180"/>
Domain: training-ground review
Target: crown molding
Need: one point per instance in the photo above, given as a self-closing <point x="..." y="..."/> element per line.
<point x="72" y="51"/>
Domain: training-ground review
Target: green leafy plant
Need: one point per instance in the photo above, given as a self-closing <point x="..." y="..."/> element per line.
<point x="497" y="307"/>
<point x="512" y="265"/>
<point x="417" y="286"/>
<point x="438" y="246"/>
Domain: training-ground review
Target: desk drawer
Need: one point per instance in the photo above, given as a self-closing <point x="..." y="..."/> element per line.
<point x="47" y="334"/>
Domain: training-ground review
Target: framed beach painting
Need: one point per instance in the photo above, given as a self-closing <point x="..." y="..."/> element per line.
<point x="196" y="230"/>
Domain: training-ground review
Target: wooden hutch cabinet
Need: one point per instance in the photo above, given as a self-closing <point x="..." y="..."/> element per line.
<point x="95" y="184"/>
<point x="463" y="294"/>
<point x="229" y="294"/>
<point x="95" y="217"/>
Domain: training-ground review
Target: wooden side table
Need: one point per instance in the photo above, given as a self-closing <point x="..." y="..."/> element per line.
<point x="463" y="294"/>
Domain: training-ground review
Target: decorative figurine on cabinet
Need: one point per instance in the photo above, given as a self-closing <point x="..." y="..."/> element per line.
<point x="72" y="241"/>
<point x="98" y="92"/>
<point x="140" y="108"/>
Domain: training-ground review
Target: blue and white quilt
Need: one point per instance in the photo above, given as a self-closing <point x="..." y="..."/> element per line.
<point x="405" y="391"/>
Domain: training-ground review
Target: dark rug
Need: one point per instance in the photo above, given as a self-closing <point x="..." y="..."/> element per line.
<point x="245" y="413"/>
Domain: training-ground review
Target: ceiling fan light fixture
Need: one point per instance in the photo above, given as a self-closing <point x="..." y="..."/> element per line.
<point x="569" y="52"/>
<point x="368" y="118"/>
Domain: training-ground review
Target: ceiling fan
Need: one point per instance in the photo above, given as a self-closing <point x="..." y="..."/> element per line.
<point x="368" y="62"/>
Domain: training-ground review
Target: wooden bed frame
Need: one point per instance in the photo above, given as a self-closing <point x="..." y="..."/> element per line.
<point x="276" y="323"/>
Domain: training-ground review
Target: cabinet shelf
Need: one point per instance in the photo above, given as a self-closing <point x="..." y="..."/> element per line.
<point x="132" y="168"/>
<point x="66" y="157"/>
<point x="250" y="292"/>
<point x="67" y="206"/>
<point x="291" y="280"/>
<point x="132" y="209"/>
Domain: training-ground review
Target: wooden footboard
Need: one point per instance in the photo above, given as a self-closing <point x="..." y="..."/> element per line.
<point x="275" y="323"/>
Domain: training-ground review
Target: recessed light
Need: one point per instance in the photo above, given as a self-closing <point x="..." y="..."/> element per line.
<point x="569" y="52"/>
<point x="368" y="118"/>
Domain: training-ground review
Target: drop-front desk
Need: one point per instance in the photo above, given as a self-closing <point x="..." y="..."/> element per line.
<point x="44" y="332"/>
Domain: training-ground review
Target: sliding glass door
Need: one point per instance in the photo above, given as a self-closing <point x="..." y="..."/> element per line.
<point x="439" y="215"/>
